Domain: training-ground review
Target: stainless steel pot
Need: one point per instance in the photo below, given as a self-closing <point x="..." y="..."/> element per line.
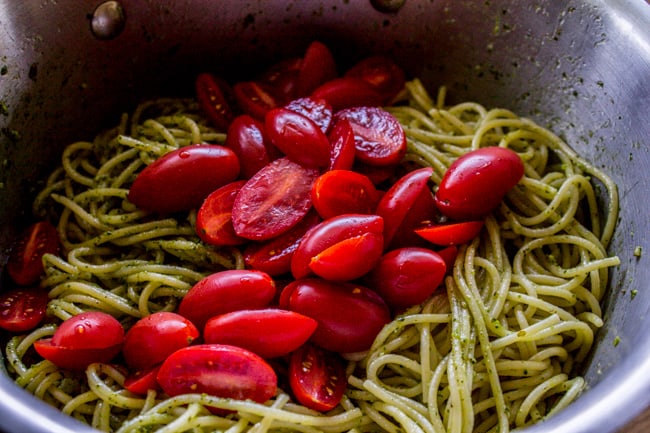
<point x="580" y="67"/>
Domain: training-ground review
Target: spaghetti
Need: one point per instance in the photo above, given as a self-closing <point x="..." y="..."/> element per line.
<point x="495" y="349"/>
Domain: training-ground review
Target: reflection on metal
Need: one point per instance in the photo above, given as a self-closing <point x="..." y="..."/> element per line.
<point x="108" y="20"/>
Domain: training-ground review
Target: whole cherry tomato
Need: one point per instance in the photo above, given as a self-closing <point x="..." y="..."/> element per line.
<point x="317" y="110"/>
<point x="381" y="73"/>
<point x="349" y="316"/>
<point x="219" y="370"/>
<point x="247" y="138"/>
<point x="317" y="377"/>
<point x="274" y="200"/>
<point x="476" y="182"/>
<point x="346" y="92"/>
<point x="22" y="309"/>
<point x="450" y="233"/>
<point x="269" y="332"/>
<point x="151" y="339"/>
<point x="337" y="192"/>
<point x="25" y="264"/>
<point x="180" y="180"/>
<point x="214" y="96"/>
<point x="214" y="217"/>
<point x="226" y="291"/>
<point x="318" y="66"/>
<point x="342" y="150"/>
<point x="255" y="98"/>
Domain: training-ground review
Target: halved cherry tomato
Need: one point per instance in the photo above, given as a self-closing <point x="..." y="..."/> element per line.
<point x="349" y="316"/>
<point x="274" y="256"/>
<point x="25" y="264"/>
<point x="151" y="339"/>
<point x="22" y="309"/>
<point x="341" y="248"/>
<point x="317" y="377"/>
<point x="476" y="182"/>
<point x="381" y="73"/>
<point x="269" y="332"/>
<point x="181" y="179"/>
<point x="143" y="380"/>
<point x="317" y="110"/>
<point x="283" y="77"/>
<point x="421" y="210"/>
<point x="274" y="200"/>
<point x="346" y="92"/>
<point x="214" y="218"/>
<point x="318" y="66"/>
<point x="377" y="175"/>
<point x="449" y="255"/>
<point x="450" y="233"/>
<point x="247" y="138"/>
<point x="255" y="98"/>
<point x="298" y="137"/>
<point x="226" y="291"/>
<point x="407" y="276"/>
<point x="342" y="149"/>
<point x="378" y="136"/>
<point x="213" y="95"/>
<point x="218" y="370"/>
<point x="339" y="192"/>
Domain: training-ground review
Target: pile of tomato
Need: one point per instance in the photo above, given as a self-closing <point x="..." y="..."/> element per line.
<point x="337" y="237"/>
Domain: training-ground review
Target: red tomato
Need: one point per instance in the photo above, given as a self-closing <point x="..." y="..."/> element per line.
<point x="342" y="149"/>
<point x="25" y="264"/>
<point x="226" y="291"/>
<point x="382" y="74"/>
<point x="213" y="96"/>
<point x="378" y="136"/>
<point x="476" y="182"/>
<point x="339" y="192"/>
<point x="214" y="218"/>
<point x="423" y="209"/>
<point x="400" y="198"/>
<point x="22" y="309"/>
<point x="142" y="381"/>
<point x="180" y="180"/>
<point x="340" y="248"/>
<point x="219" y="370"/>
<point x="407" y="276"/>
<point x="318" y="66"/>
<point x="247" y="139"/>
<point x="274" y="200"/>
<point x="151" y="339"/>
<point x="274" y="256"/>
<point x="298" y="137"/>
<point x="72" y="358"/>
<point x="255" y="98"/>
<point x="349" y="316"/>
<point x="317" y="110"/>
<point x="449" y="255"/>
<point x="317" y="378"/>
<point x="451" y="233"/>
<point x="346" y="92"/>
<point x="377" y="175"/>
<point x="269" y="333"/>
<point x="283" y="77"/>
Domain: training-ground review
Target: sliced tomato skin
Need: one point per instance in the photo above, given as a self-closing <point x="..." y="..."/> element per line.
<point x="74" y="358"/>
<point x="450" y="233"/>
<point x="219" y="370"/>
<point x="226" y="291"/>
<point x="180" y="180"/>
<point x="382" y="74"/>
<point x="269" y="332"/>
<point x="475" y="183"/>
<point x="347" y="92"/>
<point x="342" y="149"/>
<point x="247" y="139"/>
<point x="22" y="309"/>
<point x="317" y="378"/>
<point x="348" y="259"/>
<point x="422" y="210"/>
<point x="213" y="95"/>
<point x="255" y="98"/>
<point x="274" y="200"/>
<point x="214" y="217"/>
<point x="318" y="66"/>
<point x="25" y="264"/>
<point x="317" y="110"/>
<point x="338" y="192"/>
<point x="142" y="381"/>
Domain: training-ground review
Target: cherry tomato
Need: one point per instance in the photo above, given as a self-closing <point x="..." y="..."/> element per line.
<point x="143" y="380"/>
<point x="318" y="66"/>
<point x="378" y="136"/>
<point x="339" y="192"/>
<point x="255" y="98"/>
<point x="151" y="339"/>
<point x="450" y="233"/>
<point x="180" y="180"/>
<point x="298" y="137"/>
<point x="449" y="255"/>
<point x="349" y="316"/>
<point x="25" y="264"/>
<point x="400" y="198"/>
<point x="382" y="74"/>
<point x="342" y="149"/>
<point x="219" y="370"/>
<point x="377" y="175"/>
<point x="247" y="139"/>
<point x="269" y="332"/>
<point x="317" y="378"/>
<point x="226" y="291"/>
<point x="423" y="209"/>
<point x="214" y="218"/>
<point x="346" y="92"/>
<point x="283" y="77"/>
<point x="341" y="248"/>
<point x="274" y="200"/>
<point x="317" y="110"/>
<point x="407" y="276"/>
<point x="213" y="95"/>
<point x="476" y="182"/>
<point x="274" y="256"/>
<point x="22" y="309"/>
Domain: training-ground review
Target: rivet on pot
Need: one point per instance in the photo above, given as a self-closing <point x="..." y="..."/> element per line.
<point x="108" y="20"/>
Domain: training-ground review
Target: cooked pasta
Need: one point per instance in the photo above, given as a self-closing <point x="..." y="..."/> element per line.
<point x="498" y="347"/>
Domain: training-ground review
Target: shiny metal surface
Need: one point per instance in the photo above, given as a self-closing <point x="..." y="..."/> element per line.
<point x="579" y="67"/>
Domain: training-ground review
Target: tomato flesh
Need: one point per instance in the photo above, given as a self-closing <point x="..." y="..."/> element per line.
<point x="214" y="217"/>
<point x="339" y="192"/>
<point x="317" y="110"/>
<point x="255" y="98"/>
<point x="25" y="264"/>
<point x="22" y="309"/>
<point x="142" y="381"/>
<point x="450" y="233"/>
<point x="381" y="73"/>
<point x="342" y="150"/>
<point x="213" y="95"/>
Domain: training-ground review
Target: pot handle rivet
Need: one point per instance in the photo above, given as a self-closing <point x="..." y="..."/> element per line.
<point x="108" y="20"/>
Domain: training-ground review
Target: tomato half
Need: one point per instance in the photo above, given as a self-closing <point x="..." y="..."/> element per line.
<point x="151" y="339"/>
<point x="283" y="77"/>
<point x="214" y="217"/>
<point x="269" y="332"/>
<point x="342" y="150"/>
<point x="255" y="98"/>
<point x="317" y="110"/>
<point x="25" y="264"/>
<point x="476" y="182"/>
<point x="381" y="73"/>
<point x="143" y="380"/>
<point x="450" y="233"/>
<point x="274" y="200"/>
<point x="318" y="66"/>
<point x="214" y="98"/>
<point x="219" y="370"/>
<point x="247" y="138"/>
<point x="346" y="92"/>
<point x="22" y="309"/>
<point x="339" y="192"/>
<point x="317" y="377"/>
<point x="180" y="180"/>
